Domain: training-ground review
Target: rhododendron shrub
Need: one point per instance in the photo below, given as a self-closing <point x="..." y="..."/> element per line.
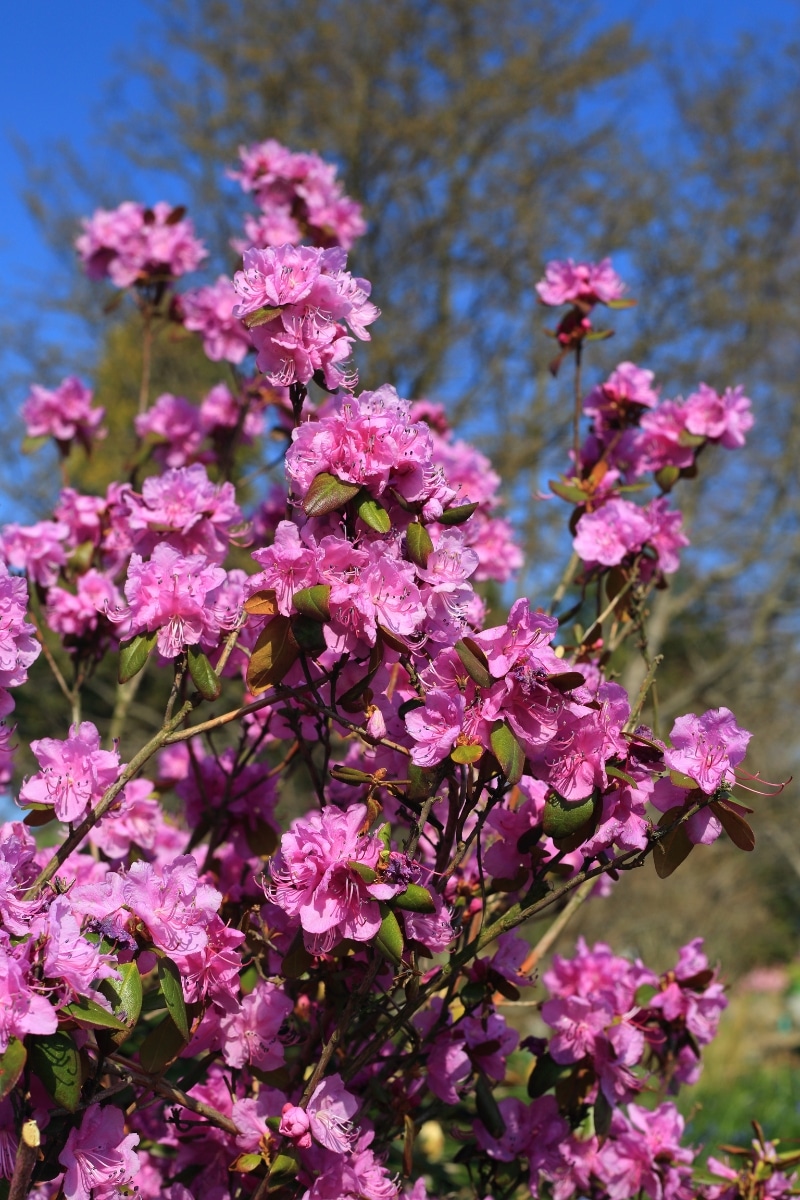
<point x="202" y="1000"/>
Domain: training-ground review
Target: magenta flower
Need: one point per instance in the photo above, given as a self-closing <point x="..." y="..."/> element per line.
<point x="174" y="424"/>
<point x="175" y="596"/>
<point x="724" y="419"/>
<point x="330" y="1111"/>
<point x="299" y="197"/>
<point x="64" y="414"/>
<point x="315" y="294"/>
<point x="610" y="533"/>
<point x="133" y="244"/>
<point x="209" y="312"/>
<point x="250" y="1035"/>
<point x="74" y="773"/>
<point x="312" y="880"/>
<point x="98" y="1156"/>
<point x="18" y="645"/>
<point x="183" y="508"/>
<point x="435" y="727"/>
<point x="170" y="900"/>
<point x="22" y="1010"/>
<point x="568" y="282"/>
<point x="707" y="748"/>
<point x="37" y="549"/>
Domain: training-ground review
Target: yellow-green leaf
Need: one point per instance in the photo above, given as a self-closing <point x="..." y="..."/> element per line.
<point x="418" y="544"/>
<point x="12" y="1062"/>
<point x="134" y="654"/>
<point x="327" y="493"/>
<point x="169" y="983"/>
<point x="508" y="752"/>
<point x="273" y="654"/>
<point x="203" y="675"/>
<point x="389" y="939"/>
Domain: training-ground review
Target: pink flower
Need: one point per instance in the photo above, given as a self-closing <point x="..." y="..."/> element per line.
<point x="315" y="295"/>
<point x="174" y="423"/>
<point x="134" y="244"/>
<point x="312" y="880"/>
<point x="183" y="508"/>
<point x="296" y="1126"/>
<point x="99" y="1158"/>
<point x="74" y="773"/>
<point x="18" y="645"/>
<point x="38" y="549"/>
<point x="174" y="595"/>
<point x="209" y="312"/>
<point x="707" y="748"/>
<point x="170" y="900"/>
<point x="330" y="1112"/>
<point x="63" y="414"/>
<point x="250" y="1036"/>
<point x="724" y="419"/>
<point x="22" y="1010"/>
<point x="568" y="282"/>
<point x="610" y="533"/>
<point x="299" y="196"/>
<point x="435" y="727"/>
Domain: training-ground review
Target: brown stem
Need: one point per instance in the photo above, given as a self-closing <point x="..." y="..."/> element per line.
<point x="147" y="347"/>
<point x="129" y="1070"/>
<point x="577" y="410"/>
<point x="27" y="1155"/>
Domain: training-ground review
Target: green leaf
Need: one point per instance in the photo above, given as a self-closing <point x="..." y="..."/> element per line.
<point x="414" y="899"/>
<point x="618" y="773"/>
<point x="599" y="335"/>
<point x="91" y="1015"/>
<point x="161" y="1047"/>
<point x="54" y="1059"/>
<point x="457" y="515"/>
<point x="487" y="1107"/>
<point x="667" y="477"/>
<point x="283" y="1170"/>
<point x="203" y="675"/>
<point x="273" y="654"/>
<point x="546" y="1074"/>
<point x="246" y="1163"/>
<point x="261" y="838"/>
<point x="134" y="654"/>
<point x="567" y="491"/>
<point x="327" y="493"/>
<point x="261" y="316"/>
<point x="350" y="775"/>
<point x="474" y="661"/>
<point x="562" y="818"/>
<point x="508" y="752"/>
<point x="373" y="514"/>
<point x="419" y="546"/>
<point x="603" y="1112"/>
<point x="12" y="1062"/>
<point x="308" y="634"/>
<point x="565" y="681"/>
<point x="682" y="781"/>
<point x="169" y="982"/>
<point x="467" y="754"/>
<point x="31" y="444"/>
<point x="368" y="874"/>
<point x="40" y="815"/>
<point x="389" y="938"/>
<point x="623" y="302"/>
<point x="125" y="996"/>
<point x="314" y="602"/>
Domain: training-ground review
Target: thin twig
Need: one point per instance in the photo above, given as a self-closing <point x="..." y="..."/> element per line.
<point x="159" y="1086"/>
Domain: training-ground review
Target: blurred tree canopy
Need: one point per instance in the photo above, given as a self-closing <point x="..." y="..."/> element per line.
<point x="484" y="138"/>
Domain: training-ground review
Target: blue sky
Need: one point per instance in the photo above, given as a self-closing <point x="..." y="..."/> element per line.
<point x="57" y="60"/>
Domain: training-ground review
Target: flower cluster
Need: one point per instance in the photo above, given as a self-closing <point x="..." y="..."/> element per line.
<point x="65" y="414"/>
<point x="299" y="197"/>
<point x="135" y="245"/>
<point x="297" y="302"/>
